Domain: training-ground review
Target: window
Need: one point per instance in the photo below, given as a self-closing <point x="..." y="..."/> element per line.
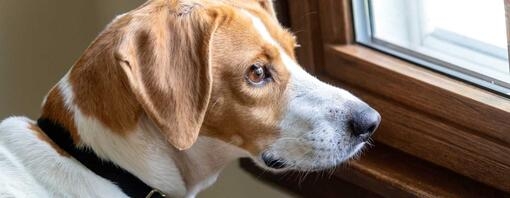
<point x="463" y="39"/>
<point x="441" y="120"/>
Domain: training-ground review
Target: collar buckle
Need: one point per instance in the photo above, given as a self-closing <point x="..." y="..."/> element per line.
<point x="154" y="193"/>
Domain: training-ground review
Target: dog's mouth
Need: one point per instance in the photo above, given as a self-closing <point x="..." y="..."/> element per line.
<point x="308" y="164"/>
<point x="272" y="162"/>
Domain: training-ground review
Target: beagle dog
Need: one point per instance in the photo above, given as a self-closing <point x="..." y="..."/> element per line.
<point x="169" y="94"/>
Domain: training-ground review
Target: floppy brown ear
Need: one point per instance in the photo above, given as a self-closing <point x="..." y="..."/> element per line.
<point x="166" y="62"/>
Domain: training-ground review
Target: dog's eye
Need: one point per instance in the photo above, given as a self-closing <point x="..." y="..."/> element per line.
<point x="257" y="74"/>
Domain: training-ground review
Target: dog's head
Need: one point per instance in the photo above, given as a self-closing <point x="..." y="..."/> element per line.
<point x="264" y="102"/>
<point x="224" y="69"/>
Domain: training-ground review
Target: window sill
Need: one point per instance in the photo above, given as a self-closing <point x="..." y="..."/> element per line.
<point x="428" y="115"/>
<point x="380" y="172"/>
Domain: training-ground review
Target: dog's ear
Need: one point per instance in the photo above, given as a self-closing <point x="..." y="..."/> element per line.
<point x="166" y="63"/>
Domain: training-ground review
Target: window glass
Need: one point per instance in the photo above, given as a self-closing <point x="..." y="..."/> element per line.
<point x="463" y="38"/>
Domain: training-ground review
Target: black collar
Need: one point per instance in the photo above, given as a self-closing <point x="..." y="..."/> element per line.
<point x="129" y="183"/>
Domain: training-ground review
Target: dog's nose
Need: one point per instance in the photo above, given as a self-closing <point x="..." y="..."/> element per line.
<point x="364" y="122"/>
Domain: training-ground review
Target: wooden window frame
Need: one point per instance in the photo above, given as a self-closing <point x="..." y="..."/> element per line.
<point x="458" y="128"/>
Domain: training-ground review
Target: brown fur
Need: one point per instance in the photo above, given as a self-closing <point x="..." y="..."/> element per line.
<point x="183" y="63"/>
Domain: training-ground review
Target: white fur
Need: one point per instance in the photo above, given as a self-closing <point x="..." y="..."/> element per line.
<point x="17" y="182"/>
<point x="207" y="158"/>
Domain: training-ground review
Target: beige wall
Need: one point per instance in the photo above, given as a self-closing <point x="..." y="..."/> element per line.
<point x="40" y="40"/>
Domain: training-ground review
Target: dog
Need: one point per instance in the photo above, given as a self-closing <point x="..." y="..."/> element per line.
<point x="169" y="94"/>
